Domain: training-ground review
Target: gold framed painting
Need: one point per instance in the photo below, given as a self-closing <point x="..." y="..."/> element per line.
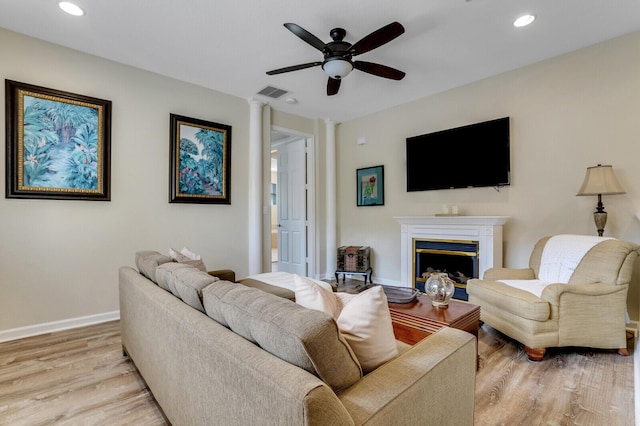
<point x="200" y="161"/>
<point x="58" y="144"/>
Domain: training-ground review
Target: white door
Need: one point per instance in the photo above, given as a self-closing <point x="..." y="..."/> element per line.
<point x="291" y="205"/>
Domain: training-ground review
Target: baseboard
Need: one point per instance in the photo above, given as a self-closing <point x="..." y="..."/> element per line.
<point x="49" y="327"/>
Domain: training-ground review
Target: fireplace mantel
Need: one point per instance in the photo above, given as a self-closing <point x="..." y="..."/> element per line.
<point x="487" y="230"/>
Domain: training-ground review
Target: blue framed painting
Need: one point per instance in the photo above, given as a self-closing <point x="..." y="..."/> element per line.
<point x="200" y="161"/>
<point x="370" y="182"/>
<point x="58" y="144"/>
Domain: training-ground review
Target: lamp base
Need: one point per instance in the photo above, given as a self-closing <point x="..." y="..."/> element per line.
<point x="600" y="218"/>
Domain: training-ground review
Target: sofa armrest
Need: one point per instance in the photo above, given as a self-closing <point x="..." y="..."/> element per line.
<point x="591" y="315"/>
<point x="553" y="292"/>
<point x="224" y="274"/>
<point x="495" y="274"/>
<point x="419" y="384"/>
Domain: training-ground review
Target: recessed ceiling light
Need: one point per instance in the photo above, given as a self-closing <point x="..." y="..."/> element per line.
<point x="71" y="8"/>
<point x="523" y="21"/>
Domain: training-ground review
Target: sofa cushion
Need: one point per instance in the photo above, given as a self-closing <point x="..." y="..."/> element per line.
<point x="363" y="319"/>
<point x="148" y="261"/>
<point x="185" y="282"/>
<point x="306" y="338"/>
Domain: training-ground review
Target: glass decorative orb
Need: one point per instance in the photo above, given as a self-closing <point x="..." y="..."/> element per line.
<point x="439" y="287"/>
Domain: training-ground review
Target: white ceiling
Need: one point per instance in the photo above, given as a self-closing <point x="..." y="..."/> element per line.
<point x="229" y="45"/>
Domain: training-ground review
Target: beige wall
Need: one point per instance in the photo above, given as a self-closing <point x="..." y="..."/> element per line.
<point x="60" y="259"/>
<point x="567" y="113"/>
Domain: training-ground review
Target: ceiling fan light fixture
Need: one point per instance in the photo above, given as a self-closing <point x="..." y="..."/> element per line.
<point x="337" y="68"/>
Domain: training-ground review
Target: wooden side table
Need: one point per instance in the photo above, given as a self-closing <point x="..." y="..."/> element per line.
<point x="414" y="321"/>
<point x="366" y="273"/>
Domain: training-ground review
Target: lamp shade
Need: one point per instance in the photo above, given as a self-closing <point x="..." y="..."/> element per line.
<point x="600" y="180"/>
<point x="337" y="68"/>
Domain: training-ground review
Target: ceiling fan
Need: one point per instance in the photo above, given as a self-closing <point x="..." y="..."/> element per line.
<point x="338" y="54"/>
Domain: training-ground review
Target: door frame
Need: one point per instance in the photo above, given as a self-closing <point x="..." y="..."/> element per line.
<point x="310" y="195"/>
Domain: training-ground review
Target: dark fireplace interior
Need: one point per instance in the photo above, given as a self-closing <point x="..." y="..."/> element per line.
<point x="459" y="259"/>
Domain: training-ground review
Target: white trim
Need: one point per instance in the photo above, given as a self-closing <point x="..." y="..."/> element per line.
<point x="50" y="327"/>
<point x="487" y="230"/>
<point x="636" y="379"/>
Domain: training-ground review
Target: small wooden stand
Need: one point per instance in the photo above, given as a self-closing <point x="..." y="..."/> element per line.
<point x="366" y="273"/>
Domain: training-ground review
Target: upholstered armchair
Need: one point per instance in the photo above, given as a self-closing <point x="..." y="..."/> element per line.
<point x="574" y="293"/>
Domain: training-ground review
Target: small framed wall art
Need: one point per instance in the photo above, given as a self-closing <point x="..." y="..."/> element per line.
<point x="58" y="144"/>
<point x="200" y="161"/>
<point x="370" y="183"/>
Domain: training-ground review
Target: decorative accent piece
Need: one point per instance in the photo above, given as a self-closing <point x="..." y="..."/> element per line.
<point x="200" y="161"/>
<point x="58" y="144"/>
<point x="370" y="183"/>
<point x="439" y="287"/>
<point x="600" y="180"/>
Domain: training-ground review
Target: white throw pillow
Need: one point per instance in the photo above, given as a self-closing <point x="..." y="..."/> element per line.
<point x="313" y="296"/>
<point x="363" y="320"/>
<point x="188" y="257"/>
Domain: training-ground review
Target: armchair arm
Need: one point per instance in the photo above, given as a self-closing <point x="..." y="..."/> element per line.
<point x="495" y="274"/>
<point x="224" y="274"/>
<point x="553" y="292"/>
<point x="419" y="382"/>
<point x="591" y="315"/>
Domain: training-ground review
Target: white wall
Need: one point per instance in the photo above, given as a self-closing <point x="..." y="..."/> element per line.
<point x="567" y="113"/>
<point x="60" y="259"/>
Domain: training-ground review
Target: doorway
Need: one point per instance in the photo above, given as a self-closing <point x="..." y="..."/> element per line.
<point x="292" y="196"/>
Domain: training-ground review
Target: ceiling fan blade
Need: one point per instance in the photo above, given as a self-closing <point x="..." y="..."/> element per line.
<point x="377" y="38"/>
<point x="294" y="68"/>
<point x="379" y="70"/>
<point x="333" y="86"/>
<point x="306" y="36"/>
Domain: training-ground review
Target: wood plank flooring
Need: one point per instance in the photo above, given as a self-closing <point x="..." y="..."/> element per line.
<point x="570" y="386"/>
<point x="79" y="377"/>
<point x="74" y="377"/>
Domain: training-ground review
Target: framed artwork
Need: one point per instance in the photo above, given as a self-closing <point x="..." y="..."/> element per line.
<point x="200" y="161"/>
<point x="58" y="144"/>
<point x="370" y="182"/>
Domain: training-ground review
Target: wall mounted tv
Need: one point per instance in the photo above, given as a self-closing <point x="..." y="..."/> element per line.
<point x="470" y="156"/>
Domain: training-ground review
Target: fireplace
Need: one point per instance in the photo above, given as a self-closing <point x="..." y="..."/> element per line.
<point x="457" y="258"/>
<point x="462" y="232"/>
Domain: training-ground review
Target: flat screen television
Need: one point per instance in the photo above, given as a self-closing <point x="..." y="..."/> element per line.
<point x="470" y="156"/>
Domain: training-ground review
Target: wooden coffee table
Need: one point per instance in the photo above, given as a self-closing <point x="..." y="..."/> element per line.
<point x="414" y="321"/>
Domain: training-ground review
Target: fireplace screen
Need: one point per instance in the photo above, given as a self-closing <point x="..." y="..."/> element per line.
<point x="459" y="259"/>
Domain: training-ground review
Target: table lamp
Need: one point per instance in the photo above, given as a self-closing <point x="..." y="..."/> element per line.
<point x="600" y="180"/>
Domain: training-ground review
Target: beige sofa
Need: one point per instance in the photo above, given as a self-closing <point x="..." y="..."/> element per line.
<point x="265" y="360"/>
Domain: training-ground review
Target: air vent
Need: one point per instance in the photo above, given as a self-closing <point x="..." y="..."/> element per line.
<point x="272" y="92"/>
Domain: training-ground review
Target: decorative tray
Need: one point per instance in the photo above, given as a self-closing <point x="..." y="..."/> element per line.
<point x="400" y="294"/>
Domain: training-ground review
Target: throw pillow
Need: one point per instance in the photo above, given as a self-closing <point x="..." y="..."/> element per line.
<point x="313" y="296"/>
<point x="363" y="320"/>
<point x="365" y="323"/>
<point x="187" y="257"/>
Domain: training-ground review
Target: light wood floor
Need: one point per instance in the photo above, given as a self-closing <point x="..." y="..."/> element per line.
<point x="79" y="377"/>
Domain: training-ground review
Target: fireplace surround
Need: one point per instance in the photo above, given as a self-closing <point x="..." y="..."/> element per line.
<point x="458" y="234"/>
